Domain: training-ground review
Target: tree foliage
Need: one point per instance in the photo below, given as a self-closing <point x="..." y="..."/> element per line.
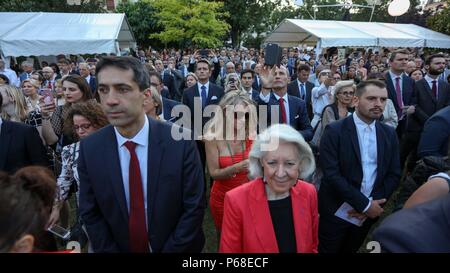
<point x="441" y="20"/>
<point x="197" y="23"/>
<point x="141" y="16"/>
<point x="86" y="6"/>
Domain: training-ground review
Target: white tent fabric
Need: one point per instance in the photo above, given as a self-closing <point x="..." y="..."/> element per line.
<point x="292" y="32"/>
<point x="43" y="34"/>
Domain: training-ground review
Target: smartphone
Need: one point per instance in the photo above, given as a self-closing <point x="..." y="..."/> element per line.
<point x="272" y="54"/>
<point x="60" y="232"/>
<point x="341" y="53"/>
<point x="204" y="53"/>
<point x="47" y="94"/>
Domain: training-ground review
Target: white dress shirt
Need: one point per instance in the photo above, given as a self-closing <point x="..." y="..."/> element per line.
<point x="141" y="139"/>
<point x="320" y="98"/>
<point x="430" y="83"/>
<point x="286" y="106"/>
<point x="367" y="139"/>
<point x="200" y="89"/>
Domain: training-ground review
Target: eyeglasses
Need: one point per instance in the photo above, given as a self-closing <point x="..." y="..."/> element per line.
<point x="337" y="78"/>
<point x="85" y="127"/>
<point x="347" y="93"/>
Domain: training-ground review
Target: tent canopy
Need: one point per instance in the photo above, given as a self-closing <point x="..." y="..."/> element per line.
<point x="292" y="32"/>
<point x="44" y="33"/>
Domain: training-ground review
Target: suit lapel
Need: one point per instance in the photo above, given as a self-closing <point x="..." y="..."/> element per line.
<point x="391" y="89"/>
<point x="380" y="149"/>
<point x="442" y="96"/>
<point x="115" y="175"/>
<point x="427" y="89"/>
<point x="292" y="112"/>
<point x="5" y="138"/>
<point x="261" y="219"/>
<point x="353" y="135"/>
<point x="155" y="153"/>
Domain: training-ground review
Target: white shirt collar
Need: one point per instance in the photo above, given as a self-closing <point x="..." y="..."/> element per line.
<point x="88" y="78"/>
<point x="393" y="76"/>
<point x="361" y="124"/>
<point x="430" y="79"/>
<point x="141" y="138"/>
<point x="200" y="88"/>
<point x="285" y="97"/>
<point x="299" y="82"/>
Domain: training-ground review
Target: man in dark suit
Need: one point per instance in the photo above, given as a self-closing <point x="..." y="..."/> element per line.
<point x="400" y="87"/>
<point x="247" y="79"/>
<point x="206" y="93"/>
<point x="86" y="74"/>
<point x="140" y="189"/>
<point x="360" y="160"/>
<point x="436" y="135"/>
<point x="430" y="95"/>
<point x="302" y="88"/>
<point x="420" y="229"/>
<point x="27" y="70"/>
<point x="20" y="146"/>
<point x="293" y="110"/>
<point x="167" y="104"/>
<point x="257" y="82"/>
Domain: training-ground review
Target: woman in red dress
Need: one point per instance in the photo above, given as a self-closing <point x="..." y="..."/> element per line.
<point x="227" y="150"/>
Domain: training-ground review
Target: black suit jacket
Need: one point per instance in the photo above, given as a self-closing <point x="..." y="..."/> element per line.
<point x="435" y="135"/>
<point x="20" y="146"/>
<point x="340" y="160"/>
<point x="426" y="104"/>
<point x="175" y="192"/>
<point x="293" y="90"/>
<point x="215" y="93"/>
<point x="298" y="116"/>
<point x="420" y="229"/>
<point x="168" y="105"/>
<point x="93" y="84"/>
<point x="407" y="90"/>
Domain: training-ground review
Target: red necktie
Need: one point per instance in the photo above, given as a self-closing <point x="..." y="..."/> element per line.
<point x="136" y="222"/>
<point x="398" y="90"/>
<point x="283" y="111"/>
<point x="434" y="89"/>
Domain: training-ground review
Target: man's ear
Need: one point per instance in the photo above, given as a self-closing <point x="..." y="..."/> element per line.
<point x="24" y="244"/>
<point x="355" y="101"/>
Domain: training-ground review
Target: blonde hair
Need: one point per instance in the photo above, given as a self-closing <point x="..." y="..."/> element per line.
<point x="33" y="82"/>
<point x="20" y="105"/>
<point x="217" y="127"/>
<point x="157" y="99"/>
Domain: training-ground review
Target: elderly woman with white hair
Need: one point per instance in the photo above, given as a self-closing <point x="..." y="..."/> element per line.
<point x="277" y="211"/>
<point x="340" y="107"/>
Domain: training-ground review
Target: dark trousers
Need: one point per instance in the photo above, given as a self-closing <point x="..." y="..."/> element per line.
<point x="339" y="236"/>
<point x="408" y="147"/>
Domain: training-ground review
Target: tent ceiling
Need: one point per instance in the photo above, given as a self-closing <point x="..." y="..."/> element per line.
<point x="292" y="32"/>
<point x="26" y="34"/>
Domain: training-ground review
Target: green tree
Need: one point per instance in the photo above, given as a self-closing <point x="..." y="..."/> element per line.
<point x="441" y="20"/>
<point x="141" y="16"/>
<point x="86" y="6"/>
<point x="195" y="23"/>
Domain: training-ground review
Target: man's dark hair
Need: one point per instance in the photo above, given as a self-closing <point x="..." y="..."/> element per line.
<point x="64" y="61"/>
<point x="434" y="56"/>
<point x="362" y="86"/>
<point x="203" y="61"/>
<point x="303" y="67"/>
<point x="398" y="51"/>
<point x="140" y="73"/>
<point x="5" y="79"/>
<point x="155" y="74"/>
<point x="247" y="71"/>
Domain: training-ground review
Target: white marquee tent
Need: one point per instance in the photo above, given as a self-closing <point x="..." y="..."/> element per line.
<point x="44" y="34"/>
<point x="292" y="32"/>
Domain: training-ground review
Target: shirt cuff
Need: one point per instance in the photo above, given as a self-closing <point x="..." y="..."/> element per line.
<point x="368" y="206"/>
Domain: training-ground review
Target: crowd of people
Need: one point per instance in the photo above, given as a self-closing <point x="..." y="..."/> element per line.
<point x="301" y="156"/>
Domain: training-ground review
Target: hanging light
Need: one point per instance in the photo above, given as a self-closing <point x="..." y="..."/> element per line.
<point x="398" y="7"/>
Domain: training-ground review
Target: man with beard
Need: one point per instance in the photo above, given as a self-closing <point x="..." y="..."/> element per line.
<point x="430" y="95"/>
<point x="360" y="161"/>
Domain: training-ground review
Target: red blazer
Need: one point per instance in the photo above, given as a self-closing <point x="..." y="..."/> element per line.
<point x="247" y="225"/>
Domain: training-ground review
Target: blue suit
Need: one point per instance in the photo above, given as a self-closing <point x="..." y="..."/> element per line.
<point x="298" y="116"/>
<point x="420" y="229"/>
<point x="175" y="192"/>
<point x="167" y="109"/>
<point x="340" y="160"/>
<point x="93" y="84"/>
<point x="435" y="135"/>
